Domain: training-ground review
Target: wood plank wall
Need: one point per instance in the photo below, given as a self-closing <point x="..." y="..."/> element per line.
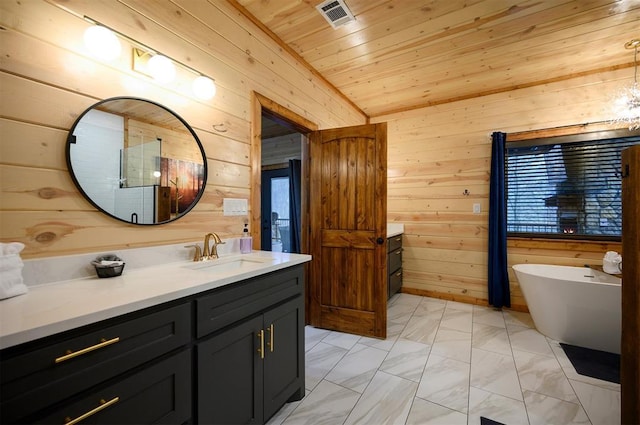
<point x="279" y="150"/>
<point x="437" y="153"/>
<point x="47" y="79"/>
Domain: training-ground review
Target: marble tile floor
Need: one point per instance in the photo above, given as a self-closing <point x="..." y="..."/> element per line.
<point x="445" y="362"/>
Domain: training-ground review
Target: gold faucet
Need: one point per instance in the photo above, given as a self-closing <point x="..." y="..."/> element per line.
<point x="210" y="252"/>
<point x="197" y="255"/>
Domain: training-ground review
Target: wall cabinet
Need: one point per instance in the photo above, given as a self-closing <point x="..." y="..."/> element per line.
<point x="394" y="264"/>
<point x="229" y="356"/>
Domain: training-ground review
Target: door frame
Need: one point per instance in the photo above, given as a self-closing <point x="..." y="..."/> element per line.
<point x="261" y="104"/>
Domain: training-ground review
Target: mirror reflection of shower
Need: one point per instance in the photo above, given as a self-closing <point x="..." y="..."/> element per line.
<point x="140" y="164"/>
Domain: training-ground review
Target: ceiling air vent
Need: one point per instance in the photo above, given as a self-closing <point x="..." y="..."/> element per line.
<point x="335" y="12"/>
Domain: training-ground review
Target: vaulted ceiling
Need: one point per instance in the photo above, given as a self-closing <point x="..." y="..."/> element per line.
<point x="404" y="54"/>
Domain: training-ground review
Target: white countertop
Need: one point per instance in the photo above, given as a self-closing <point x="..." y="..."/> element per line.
<point x="56" y="307"/>
<point x="394" y="229"/>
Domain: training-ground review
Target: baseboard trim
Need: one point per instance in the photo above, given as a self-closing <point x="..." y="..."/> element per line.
<point x="459" y="298"/>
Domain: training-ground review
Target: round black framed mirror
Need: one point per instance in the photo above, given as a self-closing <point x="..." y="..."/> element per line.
<point x="136" y="160"/>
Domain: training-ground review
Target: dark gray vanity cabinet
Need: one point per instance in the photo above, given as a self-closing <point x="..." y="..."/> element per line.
<point x="252" y="361"/>
<point x="131" y="369"/>
<point x="231" y="355"/>
<point x="394" y="264"/>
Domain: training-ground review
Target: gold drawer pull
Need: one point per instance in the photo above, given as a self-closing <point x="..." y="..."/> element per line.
<point x="398" y="239"/>
<point x="399" y="274"/>
<point x="398" y="252"/>
<point x="72" y="354"/>
<point x="270" y="343"/>
<point x="261" y="349"/>
<point x="103" y="405"/>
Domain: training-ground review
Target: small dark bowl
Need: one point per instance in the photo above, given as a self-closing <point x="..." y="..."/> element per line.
<point x="109" y="271"/>
<point x="105" y="270"/>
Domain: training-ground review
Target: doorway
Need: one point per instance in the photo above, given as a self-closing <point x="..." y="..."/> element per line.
<point x="273" y="120"/>
<point x="281" y="207"/>
<point x="264" y="108"/>
<point x="348" y="169"/>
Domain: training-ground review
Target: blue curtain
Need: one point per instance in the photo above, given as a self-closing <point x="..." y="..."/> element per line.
<point x="499" y="294"/>
<point x="294" y="203"/>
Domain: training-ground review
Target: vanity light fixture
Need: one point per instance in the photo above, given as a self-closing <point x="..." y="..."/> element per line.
<point x="161" y="68"/>
<point x="102" y="43"/>
<point x="203" y="87"/>
<point x="144" y="59"/>
<point x="627" y="102"/>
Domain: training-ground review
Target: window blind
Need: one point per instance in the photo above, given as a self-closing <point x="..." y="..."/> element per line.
<point x="563" y="187"/>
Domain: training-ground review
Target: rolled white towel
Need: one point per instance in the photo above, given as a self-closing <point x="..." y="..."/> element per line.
<point x="10" y="275"/>
<point x="10" y="262"/>
<point x="11" y="248"/>
<point x="11" y="282"/>
<point x="10" y="255"/>
<point x="12" y="291"/>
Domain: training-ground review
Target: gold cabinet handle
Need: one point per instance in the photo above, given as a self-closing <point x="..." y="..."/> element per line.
<point x="261" y="349"/>
<point x="270" y="343"/>
<point x="72" y="354"/>
<point x="398" y="239"/>
<point x="398" y="252"/>
<point x="103" y="405"/>
<point x="399" y="274"/>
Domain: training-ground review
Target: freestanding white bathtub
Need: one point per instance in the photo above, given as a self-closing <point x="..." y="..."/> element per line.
<point x="576" y="305"/>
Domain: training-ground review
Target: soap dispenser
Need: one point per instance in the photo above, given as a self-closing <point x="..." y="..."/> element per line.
<point x="246" y="241"/>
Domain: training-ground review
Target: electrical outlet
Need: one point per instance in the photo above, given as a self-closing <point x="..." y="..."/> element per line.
<point x="476" y="208"/>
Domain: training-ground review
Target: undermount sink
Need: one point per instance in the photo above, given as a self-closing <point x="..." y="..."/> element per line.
<point x="228" y="264"/>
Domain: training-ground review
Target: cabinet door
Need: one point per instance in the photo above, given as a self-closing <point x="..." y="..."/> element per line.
<point x="284" y="357"/>
<point x="395" y="282"/>
<point x="229" y="378"/>
<point x="157" y="394"/>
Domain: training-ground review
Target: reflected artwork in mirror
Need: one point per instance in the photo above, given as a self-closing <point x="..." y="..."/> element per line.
<point x="136" y="160"/>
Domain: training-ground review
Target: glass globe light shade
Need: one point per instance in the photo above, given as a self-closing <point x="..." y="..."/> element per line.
<point x="203" y="88"/>
<point x="102" y="42"/>
<point x="627" y="107"/>
<point x="161" y="69"/>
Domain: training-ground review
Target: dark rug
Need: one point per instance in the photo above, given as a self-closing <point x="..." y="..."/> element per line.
<point x="487" y="421"/>
<point x="594" y="363"/>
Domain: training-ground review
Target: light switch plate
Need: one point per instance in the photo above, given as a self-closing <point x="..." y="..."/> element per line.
<point x="232" y="206"/>
<point x="476" y="208"/>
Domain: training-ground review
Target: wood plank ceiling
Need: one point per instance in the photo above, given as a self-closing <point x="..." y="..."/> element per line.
<point x="404" y="54"/>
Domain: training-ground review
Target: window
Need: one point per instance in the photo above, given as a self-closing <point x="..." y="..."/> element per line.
<point x="567" y="186"/>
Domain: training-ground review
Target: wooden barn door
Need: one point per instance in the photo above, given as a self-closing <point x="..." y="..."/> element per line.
<point x="348" y="214"/>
